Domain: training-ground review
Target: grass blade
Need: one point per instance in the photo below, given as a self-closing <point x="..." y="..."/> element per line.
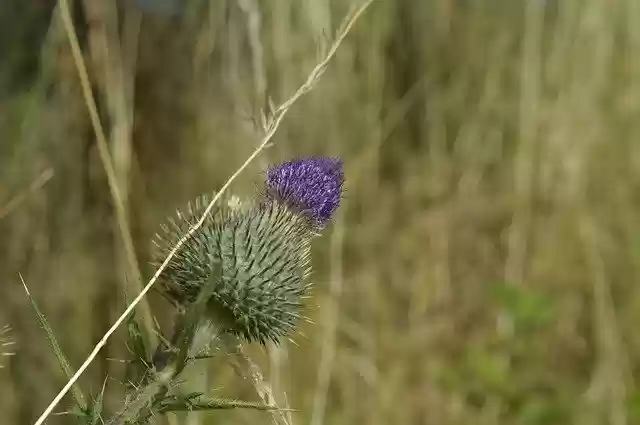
<point x="55" y="346"/>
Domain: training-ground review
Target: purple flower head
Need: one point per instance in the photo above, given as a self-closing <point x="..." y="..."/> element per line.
<point x="311" y="186"/>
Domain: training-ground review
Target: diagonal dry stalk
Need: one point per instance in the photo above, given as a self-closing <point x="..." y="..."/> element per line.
<point x="111" y="171"/>
<point x="248" y="369"/>
<point x="270" y="126"/>
<point x="38" y="183"/>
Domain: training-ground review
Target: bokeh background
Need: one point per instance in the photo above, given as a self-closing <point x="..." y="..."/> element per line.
<point x="483" y="268"/>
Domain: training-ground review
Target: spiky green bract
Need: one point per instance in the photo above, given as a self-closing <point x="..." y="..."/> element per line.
<point x="262" y="254"/>
<point x="265" y="265"/>
<point x="192" y="265"/>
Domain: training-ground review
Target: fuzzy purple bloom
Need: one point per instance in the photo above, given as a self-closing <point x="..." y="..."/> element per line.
<point x="311" y="186"/>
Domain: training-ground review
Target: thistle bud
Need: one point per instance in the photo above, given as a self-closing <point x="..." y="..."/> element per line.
<point x="261" y="256"/>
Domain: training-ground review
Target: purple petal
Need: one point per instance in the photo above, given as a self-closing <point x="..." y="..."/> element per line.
<point x="312" y="186"/>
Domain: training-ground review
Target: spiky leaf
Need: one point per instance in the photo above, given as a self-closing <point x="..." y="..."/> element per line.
<point x="57" y="350"/>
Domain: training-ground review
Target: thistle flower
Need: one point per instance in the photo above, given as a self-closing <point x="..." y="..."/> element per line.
<point x="5" y="343"/>
<point x="260" y="256"/>
<point x="256" y="255"/>
<point x="311" y="187"/>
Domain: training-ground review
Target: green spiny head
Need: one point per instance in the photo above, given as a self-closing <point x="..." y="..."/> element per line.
<point x="261" y="253"/>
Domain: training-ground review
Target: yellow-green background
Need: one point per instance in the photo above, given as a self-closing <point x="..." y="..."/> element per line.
<point x="484" y="265"/>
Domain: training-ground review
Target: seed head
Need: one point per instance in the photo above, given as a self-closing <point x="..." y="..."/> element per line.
<point x="311" y="186"/>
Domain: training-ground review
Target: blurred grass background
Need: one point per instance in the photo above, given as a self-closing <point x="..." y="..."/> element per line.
<point x="484" y="266"/>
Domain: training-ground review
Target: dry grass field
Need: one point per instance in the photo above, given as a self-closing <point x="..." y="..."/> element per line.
<point x="484" y="267"/>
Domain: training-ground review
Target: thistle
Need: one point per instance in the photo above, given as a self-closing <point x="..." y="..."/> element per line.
<point x="258" y="253"/>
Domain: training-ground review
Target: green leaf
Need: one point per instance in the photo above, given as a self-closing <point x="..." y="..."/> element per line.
<point x="488" y="369"/>
<point x="530" y="308"/>
<point x="91" y="415"/>
<point x="138" y="349"/>
<point x="53" y="342"/>
<point x="96" y="409"/>
<point x="538" y="411"/>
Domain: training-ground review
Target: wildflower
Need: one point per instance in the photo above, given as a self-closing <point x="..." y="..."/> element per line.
<point x="255" y="255"/>
<point x="311" y="186"/>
